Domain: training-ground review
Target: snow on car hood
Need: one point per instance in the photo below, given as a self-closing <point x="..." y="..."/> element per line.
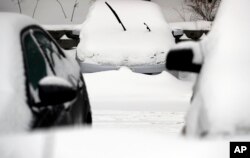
<point x="103" y="40"/>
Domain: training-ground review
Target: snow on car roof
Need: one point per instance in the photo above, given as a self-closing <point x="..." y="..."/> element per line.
<point x="10" y="46"/>
<point x="103" y="40"/>
<point x="14" y="112"/>
<point x="11" y="27"/>
<point x="15" y="22"/>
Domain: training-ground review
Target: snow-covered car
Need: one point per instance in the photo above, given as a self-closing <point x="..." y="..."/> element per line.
<point x="124" y="33"/>
<point x="221" y="95"/>
<point x="41" y="86"/>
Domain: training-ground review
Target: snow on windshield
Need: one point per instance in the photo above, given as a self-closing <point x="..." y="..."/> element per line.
<point x="103" y="40"/>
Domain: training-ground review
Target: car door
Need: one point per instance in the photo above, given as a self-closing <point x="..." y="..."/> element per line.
<point x="36" y="68"/>
<point x="69" y="70"/>
<point x="58" y="64"/>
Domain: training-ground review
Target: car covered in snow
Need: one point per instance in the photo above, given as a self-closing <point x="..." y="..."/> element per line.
<point x="221" y="95"/>
<point x="41" y="86"/>
<point x="124" y="33"/>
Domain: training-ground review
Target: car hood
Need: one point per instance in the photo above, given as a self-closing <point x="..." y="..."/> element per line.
<point x="125" y="48"/>
<point x="104" y="41"/>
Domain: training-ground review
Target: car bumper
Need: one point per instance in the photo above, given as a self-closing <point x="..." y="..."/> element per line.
<point x="150" y="69"/>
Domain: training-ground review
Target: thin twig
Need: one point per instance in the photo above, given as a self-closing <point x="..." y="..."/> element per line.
<point x="19" y="5"/>
<point x="180" y="14"/>
<point x="73" y="12"/>
<point x="34" y="11"/>
<point x="62" y="9"/>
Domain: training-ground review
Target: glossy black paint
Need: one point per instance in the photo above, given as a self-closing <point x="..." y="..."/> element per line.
<point x="182" y="60"/>
<point x="77" y="111"/>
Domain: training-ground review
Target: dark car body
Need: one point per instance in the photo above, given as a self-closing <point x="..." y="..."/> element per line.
<point x="61" y="99"/>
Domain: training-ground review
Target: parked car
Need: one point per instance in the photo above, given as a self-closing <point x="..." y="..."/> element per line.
<point x="125" y="33"/>
<point x="40" y="85"/>
<point x="221" y="95"/>
<point x="67" y="36"/>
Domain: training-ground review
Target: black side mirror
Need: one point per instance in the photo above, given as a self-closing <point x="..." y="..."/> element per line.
<point x="182" y="60"/>
<point x="55" y="90"/>
<point x="177" y="33"/>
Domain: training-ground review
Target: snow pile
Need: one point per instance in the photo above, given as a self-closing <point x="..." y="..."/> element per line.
<point x="103" y="40"/>
<point x="125" y="90"/>
<point x="222" y="98"/>
<point x="110" y="143"/>
<point x="15" y="114"/>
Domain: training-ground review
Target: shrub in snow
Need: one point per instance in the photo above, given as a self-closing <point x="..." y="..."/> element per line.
<point x="205" y="9"/>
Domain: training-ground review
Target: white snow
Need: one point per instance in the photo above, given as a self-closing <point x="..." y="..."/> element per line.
<point x="52" y="80"/>
<point x="61" y="27"/>
<point x="103" y="40"/>
<point x="221" y="102"/>
<point x="111" y="143"/>
<point x="15" y="115"/>
<point x="125" y="90"/>
<point x="192" y="25"/>
<point x="158" y="122"/>
<point x="126" y="100"/>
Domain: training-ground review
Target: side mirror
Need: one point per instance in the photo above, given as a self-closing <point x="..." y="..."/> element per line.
<point x="177" y="33"/>
<point x="182" y="60"/>
<point x="54" y="90"/>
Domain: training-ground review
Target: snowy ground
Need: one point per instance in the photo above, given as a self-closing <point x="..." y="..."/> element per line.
<point x="122" y="99"/>
<point x="126" y="100"/>
<point x="157" y="122"/>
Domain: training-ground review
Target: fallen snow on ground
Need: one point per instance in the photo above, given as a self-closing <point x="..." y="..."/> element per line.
<point x="125" y="90"/>
<point x="157" y="122"/>
<point x="123" y="99"/>
<point x="93" y="143"/>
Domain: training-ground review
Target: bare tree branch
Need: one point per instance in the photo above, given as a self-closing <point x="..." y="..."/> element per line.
<point x="34" y="11"/>
<point x="205" y="8"/>
<point x="73" y="12"/>
<point x="19" y="6"/>
<point x="62" y="9"/>
<point x="180" y="14"/>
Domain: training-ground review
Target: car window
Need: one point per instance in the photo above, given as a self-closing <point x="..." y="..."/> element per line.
<point x="48" y="47"/>
<point x="35" y="62"/>
<point x="59" y="63"/>
<point x="36" y="65"/>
